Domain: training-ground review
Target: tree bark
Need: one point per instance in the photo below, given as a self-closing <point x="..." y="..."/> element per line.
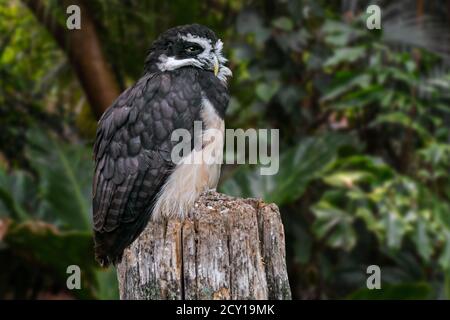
<point x="228" y="248"/>
<point x="85" y="54"/>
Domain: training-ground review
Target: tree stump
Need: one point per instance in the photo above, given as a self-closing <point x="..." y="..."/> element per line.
<point x="229" y="248"/>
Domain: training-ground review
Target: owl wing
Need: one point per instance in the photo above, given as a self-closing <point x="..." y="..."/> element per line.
<point x="132" y="156"/>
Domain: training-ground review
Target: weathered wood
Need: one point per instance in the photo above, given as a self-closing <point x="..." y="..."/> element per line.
<point x="229" y="248"/>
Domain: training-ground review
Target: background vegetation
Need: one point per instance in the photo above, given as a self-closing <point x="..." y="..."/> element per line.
<point x="364" y="121"/>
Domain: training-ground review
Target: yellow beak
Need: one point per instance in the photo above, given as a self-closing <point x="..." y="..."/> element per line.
<point x="216" y="66"/>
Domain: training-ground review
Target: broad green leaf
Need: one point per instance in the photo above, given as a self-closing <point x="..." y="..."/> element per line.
<point x="372" y="165"/>
<point x="17" y="194"/>
<point x="371" y="221"/>
<point x="394" y="229"/>
<point x="283" y="23"/>
<point x="65" y="173"/>
<point x="338" y="33"/>
<point x="360" y="81"/>
<point x="249" y="22"/>
<point x="335" y="225"/>
<point x="345" y="55"/>
<point x="345" y="179"/>
<point x="422" y="240"/>
<point x="266" y="91"/>
<point x="444" y="259"/>
<point x="402" y="119"/>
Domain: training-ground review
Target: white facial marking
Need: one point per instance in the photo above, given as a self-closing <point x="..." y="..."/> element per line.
<point x="170" y="63"/>
<point x="224" y="72"/>
<point x="207" y="53"/>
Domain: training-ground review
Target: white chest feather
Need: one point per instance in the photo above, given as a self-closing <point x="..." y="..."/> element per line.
<point x="197" y="172"/>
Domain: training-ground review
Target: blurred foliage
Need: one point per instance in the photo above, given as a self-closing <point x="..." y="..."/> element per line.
<point x="364" y="123"/>
<point x="47" y="221"/>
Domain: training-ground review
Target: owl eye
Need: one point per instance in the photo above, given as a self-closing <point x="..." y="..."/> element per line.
<point x="193" y="49"/>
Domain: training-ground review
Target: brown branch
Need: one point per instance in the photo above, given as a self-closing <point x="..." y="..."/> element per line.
<point x="85" y="54"/>
<point x="419" y="9"/>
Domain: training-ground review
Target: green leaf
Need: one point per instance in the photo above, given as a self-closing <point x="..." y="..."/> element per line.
<point x="404" y="120"/>
<point x="283" y="23"/>
<point x="334" y="225"/>
<point x="372" y="166"/>
<point x="65" y="173"/>
<point x="345" y="179"/>
<point x="17" y="193"/>
<point x="265" y="91"/>
<point x="422" y="240"/>
<point x="444" y="259"/>
<point x="360" y="81"/>
<point x="371" y="221"/>
<point x="248" y="22"/>
<point x="345" y="55"/>
<point x="338" y="33"/>
<point x="394" y="229"/>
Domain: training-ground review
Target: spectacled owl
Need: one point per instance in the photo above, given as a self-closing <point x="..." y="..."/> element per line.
<point x="135" y="178"/>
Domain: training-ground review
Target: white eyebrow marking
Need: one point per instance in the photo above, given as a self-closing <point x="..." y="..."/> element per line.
<point x="170" y="63"/>
<point x="204" y="42"/>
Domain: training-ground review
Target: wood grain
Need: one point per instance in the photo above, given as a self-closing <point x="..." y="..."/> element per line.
<point x="229" y="248"/>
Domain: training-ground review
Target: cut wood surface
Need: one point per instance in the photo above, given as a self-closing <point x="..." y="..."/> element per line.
<point x="229" y="248"/>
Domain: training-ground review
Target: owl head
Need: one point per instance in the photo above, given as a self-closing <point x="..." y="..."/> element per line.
<point x="190" y="45"/>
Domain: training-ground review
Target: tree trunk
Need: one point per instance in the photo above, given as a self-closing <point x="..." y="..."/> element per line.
<point x="228" y="249"/>
<point x="84" y="51"/>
